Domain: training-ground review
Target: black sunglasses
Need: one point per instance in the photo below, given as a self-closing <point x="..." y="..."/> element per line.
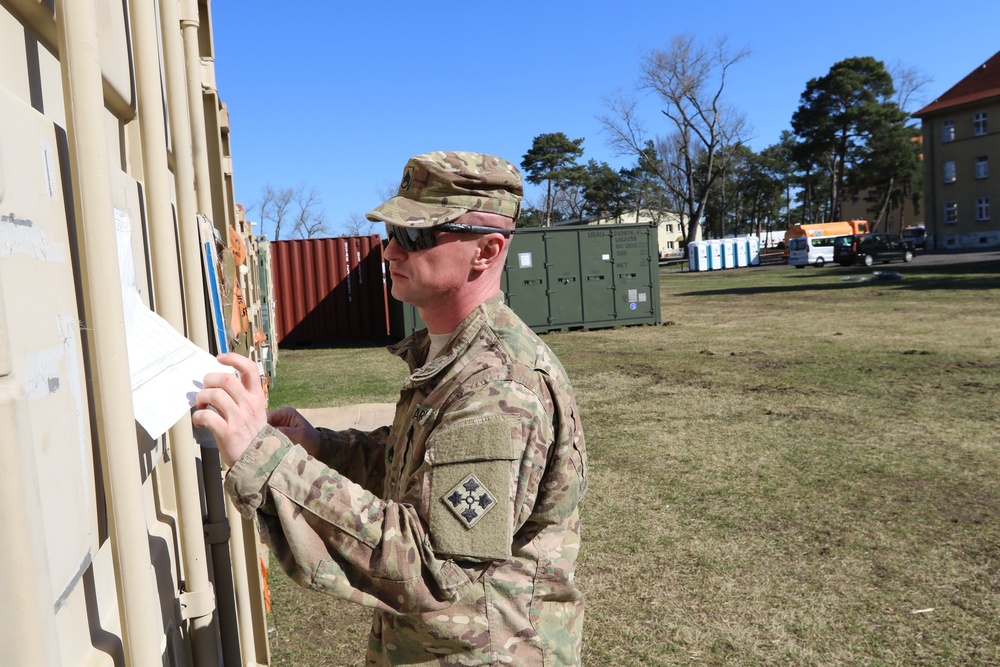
<point x="411" y="239"/>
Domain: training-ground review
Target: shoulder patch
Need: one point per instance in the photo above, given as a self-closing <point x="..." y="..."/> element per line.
<point x="470" y="501"/>
<point x="472" y="464"/>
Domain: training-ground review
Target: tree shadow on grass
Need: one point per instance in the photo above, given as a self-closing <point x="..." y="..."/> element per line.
<point x="342" y="344"/>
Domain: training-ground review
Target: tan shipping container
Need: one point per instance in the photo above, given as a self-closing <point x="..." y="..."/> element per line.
<point x="116" y="199"/>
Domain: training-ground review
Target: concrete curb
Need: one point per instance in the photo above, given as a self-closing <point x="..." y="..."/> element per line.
<point x="361" y="416"/>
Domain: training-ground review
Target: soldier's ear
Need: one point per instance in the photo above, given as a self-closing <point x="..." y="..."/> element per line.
<point x="490" y="251"/>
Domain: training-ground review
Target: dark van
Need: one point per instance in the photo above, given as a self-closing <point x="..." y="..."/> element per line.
<point x="870" y="248"/>
<point x="917" y="236"/>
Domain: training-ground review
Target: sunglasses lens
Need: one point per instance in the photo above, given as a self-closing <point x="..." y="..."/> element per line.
<point x="410" y="238"/>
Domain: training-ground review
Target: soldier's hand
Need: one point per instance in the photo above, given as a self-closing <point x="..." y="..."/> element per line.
<point x="296" y="427"/>
<point x="233" y="408"/>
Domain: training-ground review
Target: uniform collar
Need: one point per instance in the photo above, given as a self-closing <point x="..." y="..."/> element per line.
<point x="413" y="350"/>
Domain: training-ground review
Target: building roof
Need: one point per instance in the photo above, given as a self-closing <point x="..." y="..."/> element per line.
<point x="980" y="84"/>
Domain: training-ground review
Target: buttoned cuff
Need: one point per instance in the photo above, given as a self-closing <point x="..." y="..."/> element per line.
<point x="246" y="481"/>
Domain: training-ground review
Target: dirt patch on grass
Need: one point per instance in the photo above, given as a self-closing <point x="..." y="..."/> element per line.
<point x="648" y="374"/>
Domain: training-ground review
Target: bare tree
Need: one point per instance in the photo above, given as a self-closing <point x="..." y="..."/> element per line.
<point x="359" y="225"/>
<point x="310" y="222"/>
<point x="299" y="207"/>
<point x="669" y="161"/>
<point x="387" y="190"/>
<point x="689" y="79"/>
<point x="570" y="201"/>
<point x="273" y="207"/>
<point x="910" y="84"/>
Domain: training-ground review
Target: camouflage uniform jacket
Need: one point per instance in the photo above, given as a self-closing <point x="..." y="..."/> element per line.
<point x="459" y="524"/>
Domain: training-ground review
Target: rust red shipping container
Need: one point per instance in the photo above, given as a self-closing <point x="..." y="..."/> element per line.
<point x="329" y="290"/>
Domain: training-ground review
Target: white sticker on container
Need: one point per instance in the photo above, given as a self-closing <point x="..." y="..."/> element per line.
<point x="524" y="260"/>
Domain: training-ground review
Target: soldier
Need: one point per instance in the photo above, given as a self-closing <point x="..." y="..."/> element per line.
<point x="459" y="523"/>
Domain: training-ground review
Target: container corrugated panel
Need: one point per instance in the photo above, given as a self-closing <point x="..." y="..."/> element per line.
<point x="329" y="290"/>
<point x="114" y="551"/>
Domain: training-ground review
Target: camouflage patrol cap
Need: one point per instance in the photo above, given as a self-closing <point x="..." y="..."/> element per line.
<point x="441" y="186"/>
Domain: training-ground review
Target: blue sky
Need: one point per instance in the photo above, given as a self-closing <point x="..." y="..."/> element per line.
<point x="337" y="95"/>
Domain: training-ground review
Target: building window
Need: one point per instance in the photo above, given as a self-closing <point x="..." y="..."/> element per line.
<point x="947" y="131"/>
<point x="949" y="171"/>
<point x="983" y="208"/>
<point x="668" y="228"/>
<point x="950" y="212"/>
<point x="979" y="124"/>
<point x="982" y="167"/>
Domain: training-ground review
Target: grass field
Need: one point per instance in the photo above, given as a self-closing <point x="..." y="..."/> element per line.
<point x="792" y="470"/>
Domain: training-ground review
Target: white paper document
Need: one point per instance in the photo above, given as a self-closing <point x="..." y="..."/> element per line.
<point x="166" y="368"/>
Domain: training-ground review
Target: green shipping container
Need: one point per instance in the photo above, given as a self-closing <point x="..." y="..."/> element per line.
<point x="592" y="276"/>
<point x="574" y="277"/>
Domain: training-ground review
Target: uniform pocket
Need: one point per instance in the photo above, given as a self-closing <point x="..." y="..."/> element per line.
<point x="471" y="465"/>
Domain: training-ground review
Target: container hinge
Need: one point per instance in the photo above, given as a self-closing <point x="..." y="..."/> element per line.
<point x="195" y="604"/>
<point x="217" y="533"/>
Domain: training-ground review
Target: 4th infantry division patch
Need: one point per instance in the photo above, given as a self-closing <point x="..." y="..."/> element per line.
<point x="469" y="500"/>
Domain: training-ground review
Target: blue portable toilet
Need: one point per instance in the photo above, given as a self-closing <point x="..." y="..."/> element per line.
<point x="742" y="251"/>
<point x="714" y="254"/>
<point x="728" y="253"/>
<point x="698" y="256"/>
<point x="753" y="250"/>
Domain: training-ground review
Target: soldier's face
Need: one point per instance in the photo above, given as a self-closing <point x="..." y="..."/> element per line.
<point x="431" y="278"/>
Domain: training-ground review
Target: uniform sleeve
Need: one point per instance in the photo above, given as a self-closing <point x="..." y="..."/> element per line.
<point x="332" y="535"/>
<point x="519" y="425"/>
<point x="487" y="458"/>
<point x="357" y="455"/>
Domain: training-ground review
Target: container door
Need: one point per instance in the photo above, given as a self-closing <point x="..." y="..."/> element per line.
<point x="565" y="291"/>
<point x="632" y="274"/>
<point x="597" y="268"/>
<point x="526" y="280"/>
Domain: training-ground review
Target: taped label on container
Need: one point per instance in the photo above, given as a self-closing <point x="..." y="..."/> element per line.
<point x="20" y="234"/>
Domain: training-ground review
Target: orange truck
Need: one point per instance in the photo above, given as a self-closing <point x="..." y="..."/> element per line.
<point x="807" y="244"/>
